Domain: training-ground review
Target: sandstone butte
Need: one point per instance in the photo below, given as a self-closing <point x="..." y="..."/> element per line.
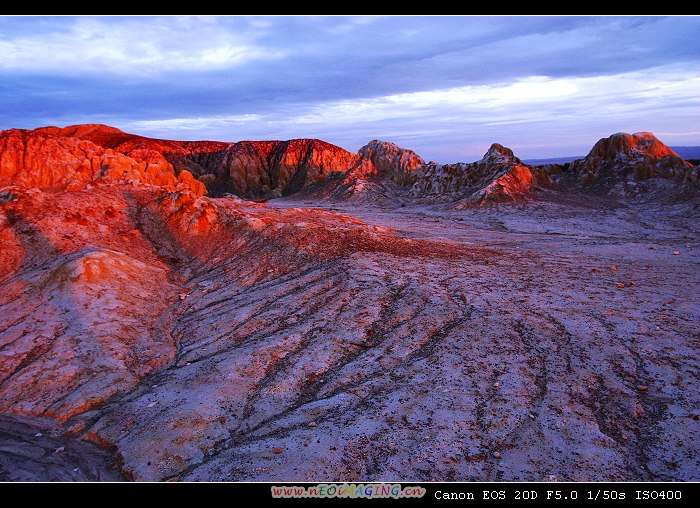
<point x="193" y="335"/>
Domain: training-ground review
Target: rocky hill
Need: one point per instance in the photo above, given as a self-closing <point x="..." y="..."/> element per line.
<point x="498" y="177"/>
<point x="40" y="160"/>
<point x="257" y="169"/>
<point x="631" y="164"/>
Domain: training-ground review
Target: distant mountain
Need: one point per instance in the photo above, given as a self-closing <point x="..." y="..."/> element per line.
<point x="553" y="160"/>
<point x="687" y="152"/>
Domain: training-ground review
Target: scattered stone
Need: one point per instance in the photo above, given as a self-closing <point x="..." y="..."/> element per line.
<point x="38" y="434"/>
<point x="59" y="449"/>
<point x="496" y="385"/>
<point x="676" y="253"/>
<point x="152" y="404"/>
<point x="313" y="424"/>
<point x="642" y="388"/>
<point x="182" y="296"/>
<point x="613" y="268"/>
<point x="278" y="450"/>
<point x="620" y="285"/>
<point x="496" y="455"/>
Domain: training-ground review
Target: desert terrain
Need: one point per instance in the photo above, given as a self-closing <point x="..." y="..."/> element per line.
<point x="291" y="311"/>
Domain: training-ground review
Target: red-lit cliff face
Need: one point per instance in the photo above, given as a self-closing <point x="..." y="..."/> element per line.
<point x="391" y="160"/>
<point x="259" y="168"/>
<point x="41" y="160"/>
<point x="263" y="168"/>
<point x="623" y="146"/>
<point x="498" y="177"/>
<point x="620" y="162"/>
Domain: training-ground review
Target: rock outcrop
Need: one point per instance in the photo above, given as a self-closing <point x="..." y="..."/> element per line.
<point x="498" y="177"/>
<point x="255" y="169"/>
<point x="621" y="162"/>
<point x="390" y="160"/>
<point x="43" y="160"/>
<point x="281" y="168"/>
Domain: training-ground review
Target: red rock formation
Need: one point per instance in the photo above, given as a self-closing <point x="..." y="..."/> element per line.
<point x="622" y="158"/>
<point x="623" y="146"/>
<point x="391" y="160"/>
<point x="42" y="160"/>
<point x="257" y="168"/>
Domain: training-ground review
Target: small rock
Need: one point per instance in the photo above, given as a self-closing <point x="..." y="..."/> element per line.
<point x="633" y="283"/>
<point x="76" y="470"/>
<point x="620" y="285"/>
<point x="182" y="296"/>
<point x="38" y="434"/>
<point x="642" y="388"/>
<point x="676" y="253"/>
<point x="59" y="449"/>
<point x="625" y="437"/>
<point x="152" y="404"/>
<point x="496" y="385"/>
<point x="532" y="417"/>
<point x="613" y="268"/>
<point x="313" y="424"/>
<point x="496" y="455"/>
<point x="277" y="450"/>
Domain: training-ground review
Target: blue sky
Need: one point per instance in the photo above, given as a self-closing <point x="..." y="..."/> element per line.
<point x="446" y="87"/>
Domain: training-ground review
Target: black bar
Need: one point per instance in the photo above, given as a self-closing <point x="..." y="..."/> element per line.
<point x="440" y="493"/>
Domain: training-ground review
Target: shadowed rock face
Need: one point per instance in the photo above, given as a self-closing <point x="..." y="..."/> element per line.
<point x="498" y="177"/>
<point x="222" y="339"/>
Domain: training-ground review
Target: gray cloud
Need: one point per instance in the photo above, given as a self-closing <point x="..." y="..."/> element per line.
<point x="432" y="83"/>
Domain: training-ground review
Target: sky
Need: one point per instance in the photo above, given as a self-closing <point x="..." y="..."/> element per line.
<point x="444" y="86"/>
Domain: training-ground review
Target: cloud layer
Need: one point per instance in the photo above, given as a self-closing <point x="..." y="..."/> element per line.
<point x="444" y="86"/>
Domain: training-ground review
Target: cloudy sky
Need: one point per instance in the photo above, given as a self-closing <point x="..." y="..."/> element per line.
<point x="446" y="87"/>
